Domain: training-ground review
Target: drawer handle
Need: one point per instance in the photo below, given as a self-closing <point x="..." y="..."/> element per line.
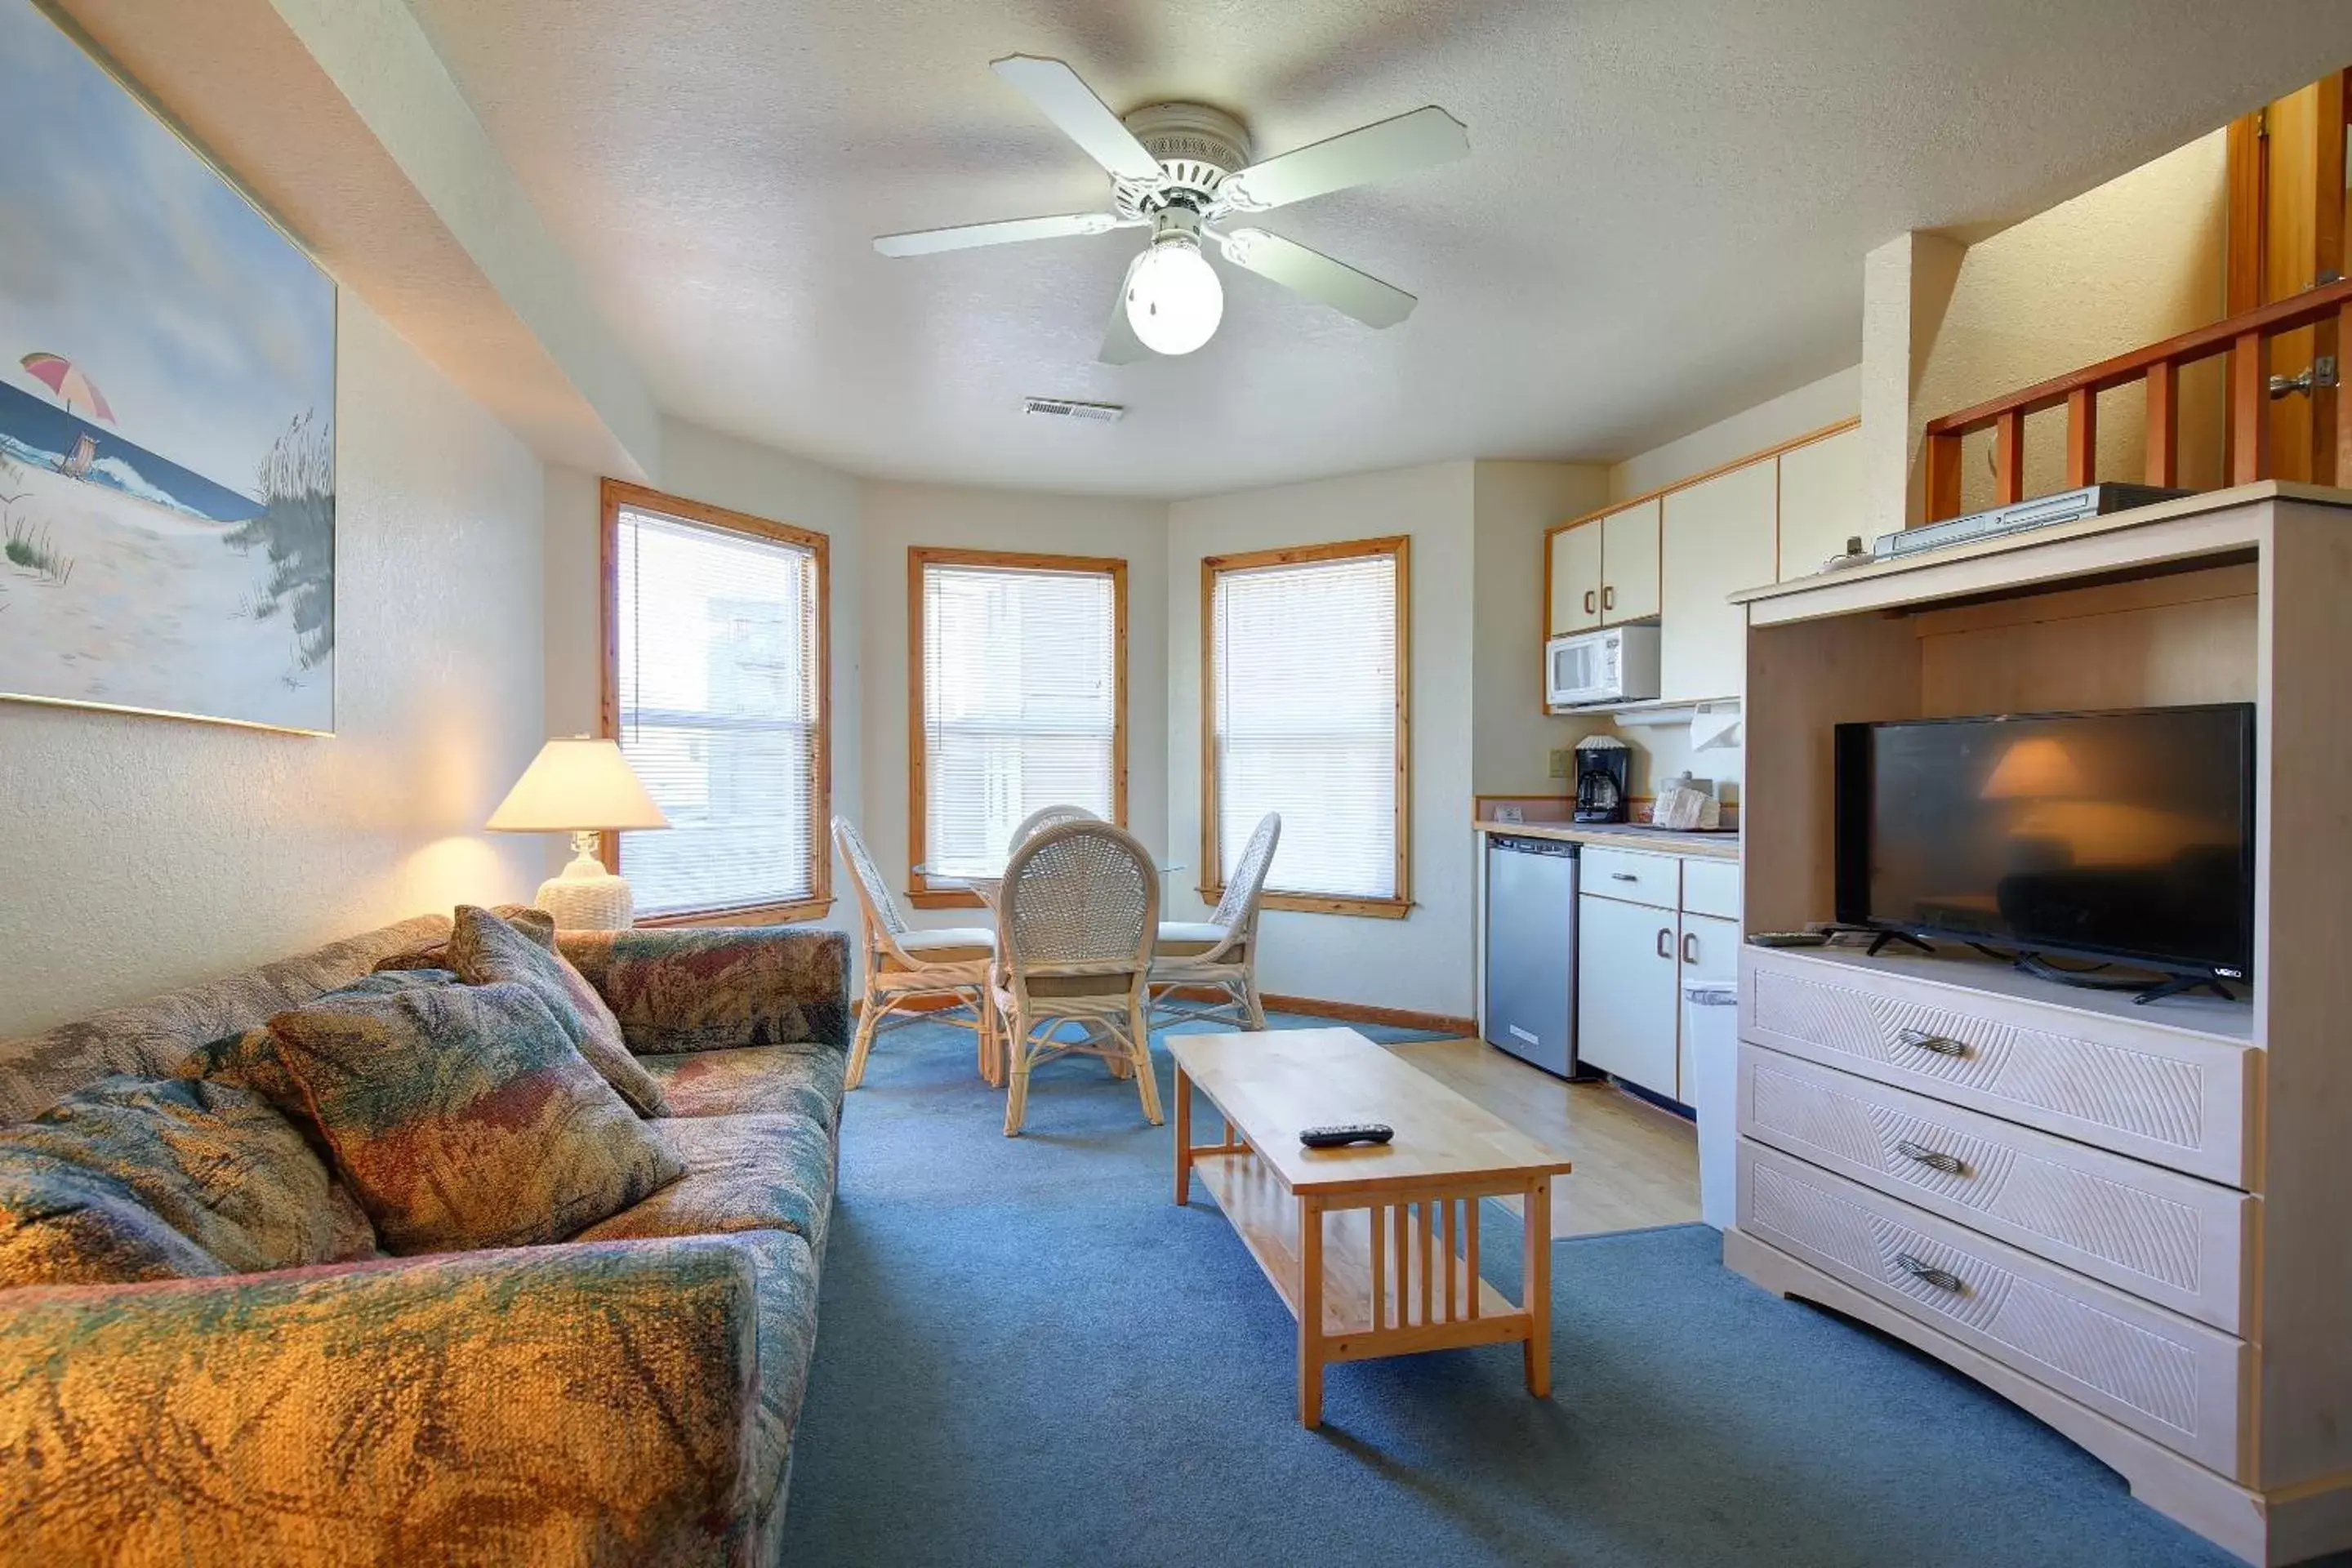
<point x="1666" y="944"/>
<point x="1590" y="608"/>
<point x="1690" y="947"/>
<point x="1608" y="598"/>
<point x="1624" y="877"/>
<point x="1941" y="1279"/>
<point x="1934" y="1159"/>
<point x="1942" y="1045"/>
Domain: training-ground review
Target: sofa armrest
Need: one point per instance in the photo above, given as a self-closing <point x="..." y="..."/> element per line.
<point x="715" y="988"/>
<point x="585" y="1404"/>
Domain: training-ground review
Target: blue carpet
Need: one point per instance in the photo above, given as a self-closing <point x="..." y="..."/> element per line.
<point x="1027" y="1354"/>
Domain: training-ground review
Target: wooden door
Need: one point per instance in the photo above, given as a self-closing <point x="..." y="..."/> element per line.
<point x="1821" y="503"/>
<point x="2287" y="233"/>
<point x="1629" y="563"/>
<point x="1574" y="565"/>
<point x="1627" y="999"/>
<point x="1717" y="538"/>
<point x="1709" y="952"/>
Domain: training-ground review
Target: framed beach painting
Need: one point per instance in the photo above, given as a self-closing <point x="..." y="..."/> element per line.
<point x="167" y="414"/>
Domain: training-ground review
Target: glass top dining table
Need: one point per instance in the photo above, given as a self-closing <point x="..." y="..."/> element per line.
<point x="986" y="884"/>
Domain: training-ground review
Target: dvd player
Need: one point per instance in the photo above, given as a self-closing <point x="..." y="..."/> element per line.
<point x="2042" y="511"/>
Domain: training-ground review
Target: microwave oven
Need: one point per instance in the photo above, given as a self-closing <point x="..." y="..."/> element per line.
<point x="1618" y="664"/>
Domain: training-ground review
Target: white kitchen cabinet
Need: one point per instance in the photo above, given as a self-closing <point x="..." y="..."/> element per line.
<point x="1715" y="539"/>
<point x="1708" y="952"/>
<point x="1575" y="579"/>
<point x="1629" y="563"/>
<point x="1820" y="502"/>
<point x="1628" y="999"/>
<point x="1603" y="571"/>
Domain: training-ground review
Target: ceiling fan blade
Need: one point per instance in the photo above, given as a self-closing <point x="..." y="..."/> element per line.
<point x="1121" y="345"/>
<point x="964" y="236"/>
<point x="1072" y="105"/>
<point x="1316" y="275"/>
<point x="1420" y="140"/>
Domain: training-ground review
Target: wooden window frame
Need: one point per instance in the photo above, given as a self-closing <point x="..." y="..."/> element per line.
<point x="617" y="494"/>
<point x="1213" y="879"/>
<point x="919" y="892"/>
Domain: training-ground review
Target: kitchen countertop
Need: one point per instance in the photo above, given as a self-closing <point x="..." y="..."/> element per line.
<point x="1623" y="835"/>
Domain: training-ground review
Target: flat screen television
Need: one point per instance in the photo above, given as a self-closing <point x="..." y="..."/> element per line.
<point x="2126" y="835"/>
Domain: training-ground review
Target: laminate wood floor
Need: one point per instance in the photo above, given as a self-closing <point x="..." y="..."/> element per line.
<point x="1636" y="1165"/>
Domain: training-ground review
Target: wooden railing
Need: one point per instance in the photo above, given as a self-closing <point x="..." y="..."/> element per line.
<point x="2244" y="338"/>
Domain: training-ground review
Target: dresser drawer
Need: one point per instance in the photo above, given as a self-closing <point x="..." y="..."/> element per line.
<point x="1711" y="887"/>
<point x="2167" y="1096"/>
<point x="2177" y="1241"/>
<point x="2175" y="1381"/>
<point x="1631" y="876"/>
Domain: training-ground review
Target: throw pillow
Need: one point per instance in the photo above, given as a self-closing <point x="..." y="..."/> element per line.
<point x="534" y="924"/>
<point x="464" y="1118"/>
<point x="63" y="1223"/>
<point x="486" y="951"/>
<point x="212" y="1162"/>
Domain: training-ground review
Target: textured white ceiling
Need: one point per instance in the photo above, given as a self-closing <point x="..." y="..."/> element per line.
<point x="1661" y="219"/>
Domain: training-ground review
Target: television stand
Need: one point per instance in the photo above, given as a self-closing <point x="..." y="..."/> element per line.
<point x="2148" y="990"/>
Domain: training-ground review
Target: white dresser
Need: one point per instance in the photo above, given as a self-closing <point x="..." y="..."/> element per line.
<point x="2134" y="1222"/>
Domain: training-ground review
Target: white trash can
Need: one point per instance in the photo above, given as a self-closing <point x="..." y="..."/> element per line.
<point x="1711" y="1025"/>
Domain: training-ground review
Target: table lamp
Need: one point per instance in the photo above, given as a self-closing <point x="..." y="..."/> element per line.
<point x="584" y="787"/>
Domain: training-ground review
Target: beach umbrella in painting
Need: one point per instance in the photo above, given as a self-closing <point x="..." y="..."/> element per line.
<point x="65" y="378"/>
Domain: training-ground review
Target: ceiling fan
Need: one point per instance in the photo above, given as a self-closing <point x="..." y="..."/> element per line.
<point x="1183" y="170"/>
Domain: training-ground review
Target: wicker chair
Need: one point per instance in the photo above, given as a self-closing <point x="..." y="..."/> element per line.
<point x="1219" y="954"/>
<point x="1038" y="821"/>
<point x="1075" y="916"/>
<point x="904" y="965"/>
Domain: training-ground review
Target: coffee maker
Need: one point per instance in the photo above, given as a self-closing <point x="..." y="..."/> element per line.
<point x="1602" y="764"/>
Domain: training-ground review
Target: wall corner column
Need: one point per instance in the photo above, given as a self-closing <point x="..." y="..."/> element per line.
<point x="1906" y="285"/>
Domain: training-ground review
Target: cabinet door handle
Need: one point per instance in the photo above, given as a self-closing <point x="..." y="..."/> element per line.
<point x="1942" y="1045"/>
<point x="1624" y="877"/>
<point x="1934" y="1159"/>
<point x="1666" y="944"/>
<point x="1608" y="598"/>
<point x="1690" y="947"/>
<point x="1589" y="608"/>
<point x="1919" y="1269"/>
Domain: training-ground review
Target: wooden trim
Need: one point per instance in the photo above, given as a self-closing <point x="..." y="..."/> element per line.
<point x="2334" y="117"/>
<point x="2009" y="458"/>
<point x="2186" y="348"/>
<point x="1213" y="874"/>
<point x="749" y="915"/>
<point x="613" y="496"/>
<point x="2163" y="426"/>
<point x="2249" y="410"/>
<point x="2082" y="438"/>
<point x="919" y="891"/>
<point x="1358" y="1013"/>
<point x="1716" y="472"/>
<point x="2245" y="247"/>
<point x="1944" y="459"/>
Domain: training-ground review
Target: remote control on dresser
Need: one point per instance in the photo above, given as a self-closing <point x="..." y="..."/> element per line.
<point x="1345" y="1133"/>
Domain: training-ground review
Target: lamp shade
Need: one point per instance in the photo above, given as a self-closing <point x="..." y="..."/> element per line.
<point x="576" y="786"/>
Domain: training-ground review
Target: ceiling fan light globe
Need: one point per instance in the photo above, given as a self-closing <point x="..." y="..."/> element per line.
<point x="1174" y="300"/>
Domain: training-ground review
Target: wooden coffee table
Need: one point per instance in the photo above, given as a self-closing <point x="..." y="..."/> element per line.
<point x="1373" y="1249"/>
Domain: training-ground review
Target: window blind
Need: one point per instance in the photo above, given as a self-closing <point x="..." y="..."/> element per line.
<point x="1304" y="668"/>
<point x="1020" y="704"/>
<point x="718" y="678"/>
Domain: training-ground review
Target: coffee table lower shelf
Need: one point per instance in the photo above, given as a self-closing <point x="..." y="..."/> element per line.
<point x="1388" y="1273"/>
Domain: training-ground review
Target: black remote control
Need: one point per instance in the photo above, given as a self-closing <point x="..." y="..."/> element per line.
<point x="1345" y="1133"/>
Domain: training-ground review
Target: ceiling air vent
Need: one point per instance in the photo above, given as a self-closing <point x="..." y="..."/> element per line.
<point x="1069" y="408"/>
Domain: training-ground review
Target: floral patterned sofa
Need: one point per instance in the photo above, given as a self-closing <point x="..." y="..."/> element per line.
<point x="625" y="1397"/>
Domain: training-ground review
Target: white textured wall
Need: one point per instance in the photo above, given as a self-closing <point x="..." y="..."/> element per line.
<point x="1423" y="962"/>
<point x="140" y="854"/>
<point x="898" y="516"/>
<point x="1783" y="418"/>
<point x="719" y="470"/>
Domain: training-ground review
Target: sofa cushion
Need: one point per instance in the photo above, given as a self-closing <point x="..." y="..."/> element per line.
<point x="65" y="1223"/>
<point x="485" y="950"/>
<point x="742" y="1172"/>
<point x="804" y="1080"/>
<point x="218" y="1163"/>
<point x="464" y="1118"/>
<point x="1186" y="939"/>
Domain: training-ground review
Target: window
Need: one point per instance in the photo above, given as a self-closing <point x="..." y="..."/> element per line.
<point x="1018" y="668"/>
<point x="715" y="685"/>
<point x="1304" y="680"/>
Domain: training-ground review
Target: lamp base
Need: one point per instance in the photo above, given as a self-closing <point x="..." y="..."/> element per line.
<point x="586" y="897"/>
